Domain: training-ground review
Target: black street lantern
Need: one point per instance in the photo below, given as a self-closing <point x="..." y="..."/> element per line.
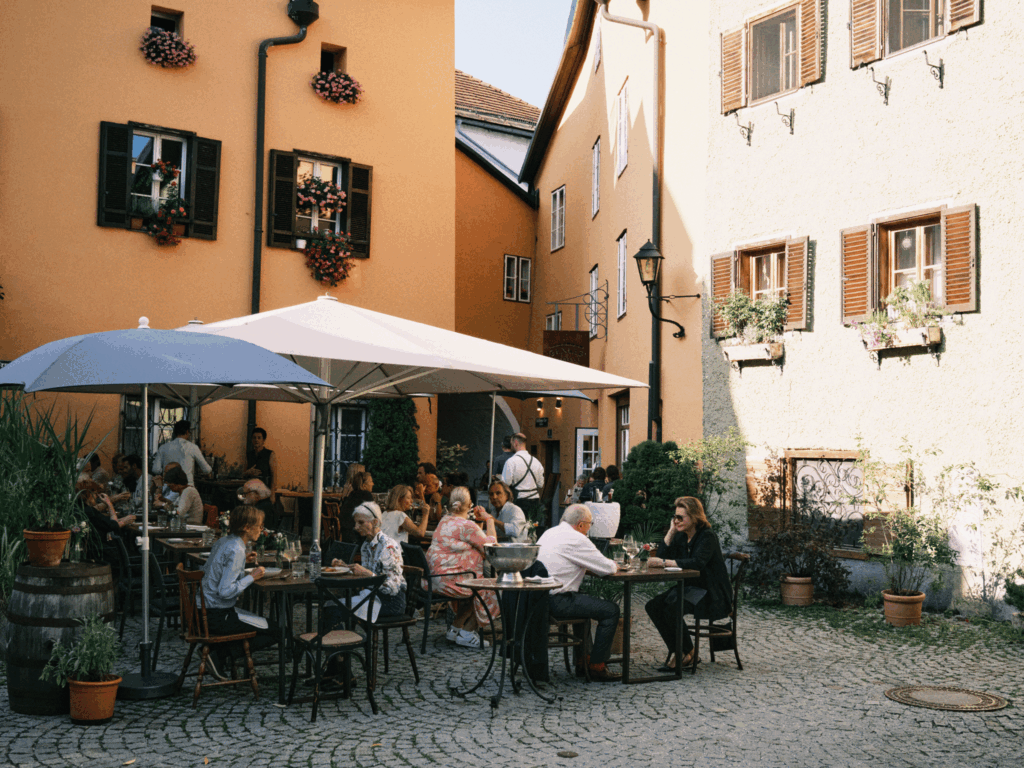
<point x="648" y="261"/>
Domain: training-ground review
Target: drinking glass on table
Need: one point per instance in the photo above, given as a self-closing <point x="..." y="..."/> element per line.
<point x="631" y="548"/>
<point x="299" y="567"/>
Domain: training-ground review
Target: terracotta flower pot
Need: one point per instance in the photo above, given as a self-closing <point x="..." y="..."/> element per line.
<point x="46" y="548"/>
<point x="902" y="610"/>
<point x="796" y="590"/>
<point x="93" y="703"/>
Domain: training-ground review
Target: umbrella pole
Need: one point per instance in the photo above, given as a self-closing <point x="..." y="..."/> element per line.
<point x="319" y="448"/>
<point x="490" y="446"/>
<point x="147" y="684"/>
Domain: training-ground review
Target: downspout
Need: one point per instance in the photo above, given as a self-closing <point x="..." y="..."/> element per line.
<point x="302" y="13"/>
<point x="654" y="369"/>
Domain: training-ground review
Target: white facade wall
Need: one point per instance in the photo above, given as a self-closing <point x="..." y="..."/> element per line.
<point x="851" y="159"/>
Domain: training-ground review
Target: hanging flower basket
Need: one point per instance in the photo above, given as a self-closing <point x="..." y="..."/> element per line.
<point x="337" y="87"/>
<point x="167" y="49"/>
<point x="329" y="257"/>
<point x="313" y="190"/>
<point x="166" y="228"/>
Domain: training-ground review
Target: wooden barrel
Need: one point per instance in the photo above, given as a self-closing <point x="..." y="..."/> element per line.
<point x="45" y="606"/>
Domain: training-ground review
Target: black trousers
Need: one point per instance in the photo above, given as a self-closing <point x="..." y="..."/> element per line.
<point x="664" y="612"/>
<point x="573" y="605"/>
<point x="226" y="622"/>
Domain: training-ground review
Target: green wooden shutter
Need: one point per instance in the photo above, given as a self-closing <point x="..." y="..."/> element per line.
<point x="281" y="217"/>
<point x="115" y="175"/>
<point x="203" y="188"/>
<point x="357" y="217"/>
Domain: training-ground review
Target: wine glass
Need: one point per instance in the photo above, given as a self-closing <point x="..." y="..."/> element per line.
<point x="631" y="548"/>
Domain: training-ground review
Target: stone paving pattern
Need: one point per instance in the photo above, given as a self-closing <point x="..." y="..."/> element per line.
<point x="807" y="696"/>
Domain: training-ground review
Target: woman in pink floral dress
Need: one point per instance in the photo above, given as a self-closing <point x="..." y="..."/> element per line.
<point x="458" y="545"/>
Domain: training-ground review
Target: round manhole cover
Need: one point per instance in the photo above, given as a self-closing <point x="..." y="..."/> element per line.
<point x="942" y="697"/>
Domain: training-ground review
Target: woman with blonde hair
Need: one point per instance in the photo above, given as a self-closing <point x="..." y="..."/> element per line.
<point x="395" y="520"/>
<point x="353" y="470"/>
<point x="458" y="546"/>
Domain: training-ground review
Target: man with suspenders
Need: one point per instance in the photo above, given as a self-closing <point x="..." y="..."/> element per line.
<point x="525" y="476"/>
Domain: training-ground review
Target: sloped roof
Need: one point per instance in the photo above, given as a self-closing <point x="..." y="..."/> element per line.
<point x="476" y="99"/>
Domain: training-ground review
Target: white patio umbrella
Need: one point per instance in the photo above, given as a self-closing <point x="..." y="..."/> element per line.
<point x="363" y="353"/>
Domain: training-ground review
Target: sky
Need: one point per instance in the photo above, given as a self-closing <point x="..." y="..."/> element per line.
<point x="514" y="45"/>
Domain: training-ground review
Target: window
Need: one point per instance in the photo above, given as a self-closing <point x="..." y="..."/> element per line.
<point x="131" y="192"/>
<point x="621" y="280"/>
<point x="938" y="245"/>
<point x="595" y="183"/>
<point x="882" y="29"/>
<point x="622" y="138"/>
<point x="763" y="270"/>
<point x="162" y="416"/>
<point x="773" y="53"/>
<point x="517" y="278"/>
<point x="291" y="222"/>
<point x="594" y="308"/>
<point x="588" y="450"/>
<point x="346" y="439"/>
<point x="553" y="322"/>
<point x="621" y="429"/>
<point x="165" y="20"/>
<point x="558" y="218"/>
<point x="332" y="58"/>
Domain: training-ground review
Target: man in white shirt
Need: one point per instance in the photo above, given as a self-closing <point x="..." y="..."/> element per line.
<point x="182" y="452"/>
<point x="525" y="476"/>
<point x="568" y="554"/>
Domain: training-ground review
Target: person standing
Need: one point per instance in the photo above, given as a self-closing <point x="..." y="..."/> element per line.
<point x="504" y="456"/>
<point x="525" y="476"/>
<point x="182" y="451"/>
<point x="262" y="461"/>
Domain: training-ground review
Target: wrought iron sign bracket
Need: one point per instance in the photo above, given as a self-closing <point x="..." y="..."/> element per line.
<point x="938" y="70"/>
<point x="787" y="120"/>
<point x="882" y="86"/>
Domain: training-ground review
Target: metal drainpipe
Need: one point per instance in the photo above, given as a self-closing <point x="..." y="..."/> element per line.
<point x="654" y="371"/>
<point x="261" y="120"/>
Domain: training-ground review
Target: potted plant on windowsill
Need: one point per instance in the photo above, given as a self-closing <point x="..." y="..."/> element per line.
<point x="87" y="669"/>
<point x="337" y="87"/>
<point x="754" y="326"/>
<point x="329" y="257"/>
<point x="910" y="319"/>
<point x="167" y="49"/>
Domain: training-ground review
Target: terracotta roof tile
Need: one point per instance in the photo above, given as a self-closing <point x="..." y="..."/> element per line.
<point x="475" y="98"/>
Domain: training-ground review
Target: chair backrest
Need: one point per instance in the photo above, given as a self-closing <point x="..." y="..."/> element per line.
<point x="340" y="550"/>
<point x="330" y="520"/>
<point x="157" y="591"/>
<point x="344" y="597"/>
<point x="210" y="515"/>
<point x="413" y="554"/>
<point x="413" y="577"/>
<point x="192" y="603"/>
<point x="737" y="564"/>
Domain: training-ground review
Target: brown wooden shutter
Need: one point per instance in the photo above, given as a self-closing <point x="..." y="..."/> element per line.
<point x="357" y="218"/>
<point x="204" y="187"/>
<point x="856" y="279"/>
<point x="963" y="13"/>
<point x="960" y="258"/>
<point x="283" y="169"/>
<point x="721" y="286"/>
<point x="796" y="284"/>
<point x="733" y="96"/>
<point x="115" y="175"/>
<point x="865" y="32"/>
<point x="810" y="41"/>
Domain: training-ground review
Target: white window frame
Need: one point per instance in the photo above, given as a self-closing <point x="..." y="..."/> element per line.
<point x="553" y="322"/>
<point x="774" y="259"/>
<point x="622" y="134"/>
<point x="921" y="271"/>
<point x="622" y="427"/>
<point x="558" y="218"/>
<point x="937" y="10"/>
<point x="335" y="435"/>
<point x="595" y="183"/>
<point x="517" y="276"/>
<point x="621" y="277"/>
<point x="789" y="59"/>
<point x="158" y="190"/>
<point x="315" y="218"/>
<point x="588" y="451"/>
<point x="594" y="301"/>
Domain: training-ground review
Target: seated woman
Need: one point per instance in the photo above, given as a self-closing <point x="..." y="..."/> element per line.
<point x="458" y="545"/>
<point x="362" y="491"/>
<point x="224" y="579"/>
<point x="189" y="504"/>
<point x="381" y="556"/>
<point x="350" y="473"/>
<point x="99" y="511"/>
<point x="431" y="496"/>
<point x="511" y="520"/>
<point x="689" y="543"/>
<point x="395" y="522"/>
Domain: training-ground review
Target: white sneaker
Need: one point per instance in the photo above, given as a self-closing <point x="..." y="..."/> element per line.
<point x="452" y="634"/>
<point x="471" y="640"/>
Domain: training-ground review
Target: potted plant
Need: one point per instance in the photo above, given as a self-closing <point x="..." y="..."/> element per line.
<point x="337" y="87"/>
<point x="910" y="319"/>
<point x="87" y="668"/>
<point x="329" y="257"/>
<point x="754" y="326"/>
<point x="167" y="49"/>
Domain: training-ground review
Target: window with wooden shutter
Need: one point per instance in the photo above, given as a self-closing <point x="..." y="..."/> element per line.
<point x="622" y="144"/>
<point x="960" y="258"/>
<point x="886" y="27"/>
<point x="733" y="96"/>
<point x="204" y="188"/>
<point x="810" y="41"/>
<point x="283" y="180"/>
<point x="963" y="13"/>
<point x="857" y="301"/>
<point x="721" y="287"/>
<point x="115" y="175"/>
<point x="358" y="209"/>
<point x="865" y="32"/>
<point x="796" y="284"/>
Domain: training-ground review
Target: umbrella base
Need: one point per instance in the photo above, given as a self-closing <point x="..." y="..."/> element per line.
<point x="157" y="685"/>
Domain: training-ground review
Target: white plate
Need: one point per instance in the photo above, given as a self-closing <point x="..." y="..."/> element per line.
<point x="176" y="541"/>
<point x="335" y="571"/>
<point x="672" y="568"/>
<point x="273" y="571"/>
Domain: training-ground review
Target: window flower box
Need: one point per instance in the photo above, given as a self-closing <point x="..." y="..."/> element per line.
<point x="928" y="336"/>
<point x="738" y="353"/>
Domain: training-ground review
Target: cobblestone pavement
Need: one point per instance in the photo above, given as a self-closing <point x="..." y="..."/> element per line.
<point x="807" y="696"/>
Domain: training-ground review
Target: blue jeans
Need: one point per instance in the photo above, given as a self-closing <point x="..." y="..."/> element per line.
<point x="573" y="605"/>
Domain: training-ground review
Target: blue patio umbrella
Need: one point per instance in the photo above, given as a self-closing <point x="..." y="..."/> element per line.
<point x="130" y="362"/>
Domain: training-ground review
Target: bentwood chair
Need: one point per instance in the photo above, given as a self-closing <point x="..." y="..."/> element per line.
<point x="402" y="621"/>
<point x="424" y="597"/>
<point x="196" y="631"/>
<point x="340" y="599"/>
<point x="721" y="633"/>
<point x="163" y="600"/>
<point x="330" y="521"/>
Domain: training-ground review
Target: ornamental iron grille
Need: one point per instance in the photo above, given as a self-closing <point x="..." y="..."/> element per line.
<point x="827" y="489"/>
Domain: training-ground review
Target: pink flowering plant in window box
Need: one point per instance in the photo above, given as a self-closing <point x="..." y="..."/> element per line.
<point x="313" y="190"/>
<point x="329" y="257"/>
<point x="167" y="49"/>
<point x="337" y="87"/>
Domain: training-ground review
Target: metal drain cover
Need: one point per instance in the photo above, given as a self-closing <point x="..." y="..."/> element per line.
<point x="943" y="697"/>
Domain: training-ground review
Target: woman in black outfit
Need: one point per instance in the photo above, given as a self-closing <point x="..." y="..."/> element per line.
<point x="689" y="543"/>
<point x="362" y="491"/>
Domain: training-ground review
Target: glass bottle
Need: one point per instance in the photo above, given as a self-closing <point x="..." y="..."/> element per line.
<point x="315" y="560"/>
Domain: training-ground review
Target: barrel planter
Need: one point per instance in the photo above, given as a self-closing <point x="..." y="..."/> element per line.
<point x="902" y="610"/>
<point x="46" y="548"/>
<point x="796" y="590"/>
<point x="45" y="607"/>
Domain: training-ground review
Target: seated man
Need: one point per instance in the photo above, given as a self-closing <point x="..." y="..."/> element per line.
<point x="568" y="554"/>
<point x="254" y="493"/>
<point x="597" y="483"/>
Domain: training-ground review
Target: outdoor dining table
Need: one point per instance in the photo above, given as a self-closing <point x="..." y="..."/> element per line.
<point x="179" y="546"/>
<point x="628" y="579"/>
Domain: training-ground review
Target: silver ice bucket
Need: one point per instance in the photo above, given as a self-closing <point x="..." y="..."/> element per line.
<point x="508" y="560"/>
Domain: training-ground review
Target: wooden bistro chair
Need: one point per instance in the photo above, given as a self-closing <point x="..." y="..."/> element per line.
<point x="327" y="643"/>
<point x="425" y="598"/>
<point x="330" y="521"/>
<point x="402" y="621"/>
<point x="197" y="632"/>
<point x="721" y="634"/>
<point x="571" y="633"/>
<point x="210" y="515"/>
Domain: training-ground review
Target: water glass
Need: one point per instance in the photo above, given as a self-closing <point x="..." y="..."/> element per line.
<point x="299" y="567"/>
<point x="208" y="537"/>
<point x="161" y="520"/>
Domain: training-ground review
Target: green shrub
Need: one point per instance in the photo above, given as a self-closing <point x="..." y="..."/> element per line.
<point x="90" y="659"/>
<point x="391" y="452"/>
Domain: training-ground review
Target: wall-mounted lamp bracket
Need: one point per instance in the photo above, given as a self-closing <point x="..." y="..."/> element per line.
<point x="938" y="70"/>
<point x="681" y="296"/>
<point x="787" y="120"/>
<point x="745" y="130"/>
<point x="882" y="86"/>
<point x="651" y="304"/>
